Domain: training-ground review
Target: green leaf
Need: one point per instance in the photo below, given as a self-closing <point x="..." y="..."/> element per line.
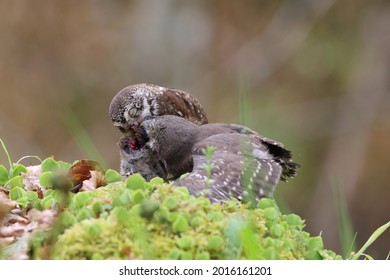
<point x="185" y="242"/>
<point x="84" y="214"/>
<point x="16" y="181"/>
<point x="265" y="203"/>
<point x="67" y="219"/>
<point x="58" y="195"/>
<point x="294" y="220"/>
<point x="98" y="207"/>
<point x="18" y="169"/>
<point x="38" y="204"/>
<point x="3" y="175"/>
<point x="135" y="210"/>
<point x="148" y="208"/>
<point x="136" y="182"/>
<point x="216" y="216"/>
<point x="120" y="214"/>
<point x="186" y="256"/>
<point x="48" y="193"/>
<point x="137" y="196"/>
<point x="163" y="213"/>
<point x="215" y="243"/>
<point x="94" y="229"/>
<point x="16" y="193"/>
<point x="315" y="243"/>
<point x="50" y="164"/>
<point x="271" y="214"/>
<point x="32" y="196"/>
<point x="180" y="224"/>
<point x="97" y="256"/>
<point x="124" y="198"/>
<point x="82" y="199"/>
<point x="182" y="190"/>
<point x="174" y="254"/>
<point x="23" y="203"/>
<point x="171" y="202"/>
<point x="48" y="202"/>
<point x="65" y="166"/>
<point x="197" y="221"/>
<point x="270" y="254"/>
<point x="202" y="256"/>
<point x="112" y="176"/>
<point x="46" y="179"/>
<point x="157" y="181"/>
<point x="277" y="230"/>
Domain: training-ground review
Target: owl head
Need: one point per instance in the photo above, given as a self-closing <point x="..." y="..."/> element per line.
<point x="167" y="132"/>
<point x="136" y="103"/>
<point x="132" y="105"/>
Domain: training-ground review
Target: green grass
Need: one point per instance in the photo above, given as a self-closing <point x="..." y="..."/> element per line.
<point x="346" y="232"/>
<point x="6" y="153"/>
<point x="81" y="137"/>
<point x="378" y="232"/>
<point x="244" y="102"/>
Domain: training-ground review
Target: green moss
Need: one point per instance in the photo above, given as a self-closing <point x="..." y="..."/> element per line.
<point x="77" y="242"/>
<point x="168" y="223"/>
<point x="135" y="219"/>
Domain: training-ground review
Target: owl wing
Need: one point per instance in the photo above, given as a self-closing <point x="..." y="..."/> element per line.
<point x="241" y="168"/>
<point x="182" y="104"/>
<point x="247" y="131"/>
<point x="280" y="154"/>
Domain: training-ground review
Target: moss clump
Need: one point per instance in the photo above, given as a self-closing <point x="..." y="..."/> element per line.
<point x="141" y="220"/>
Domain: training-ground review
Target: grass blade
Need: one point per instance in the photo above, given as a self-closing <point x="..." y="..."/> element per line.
<point x="81" y="137"/>
<point x="244" y="102"/>
<point x="7" y="154"/>
<point x="370" y="240"/>
<point x="347" y="237"/>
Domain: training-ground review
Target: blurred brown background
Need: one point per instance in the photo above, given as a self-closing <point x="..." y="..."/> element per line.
<point x="313" y="74"/>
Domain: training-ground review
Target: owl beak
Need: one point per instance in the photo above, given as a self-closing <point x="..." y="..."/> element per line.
<point x="134" y="126"/>
<point x="142" y="136"/>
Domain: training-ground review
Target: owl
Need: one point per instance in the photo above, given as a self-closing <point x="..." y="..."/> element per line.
<point x="136" y="159"/>
<point x="239" y="163"/>
<point x="136" y="103"/>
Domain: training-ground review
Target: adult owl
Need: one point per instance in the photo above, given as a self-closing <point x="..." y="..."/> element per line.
<point x="136" y="103"/>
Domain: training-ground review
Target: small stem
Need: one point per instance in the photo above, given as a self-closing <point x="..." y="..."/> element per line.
<point x="36" y="157"/>
<point x="4" y="189"/>
<point x="6" y="152"/>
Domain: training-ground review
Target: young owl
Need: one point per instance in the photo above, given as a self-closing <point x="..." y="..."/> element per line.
<point x="243" y="164"/>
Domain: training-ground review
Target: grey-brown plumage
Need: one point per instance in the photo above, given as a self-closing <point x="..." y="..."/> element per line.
<point x="245" y="164"/>
<point x="135" y="103"/>
<point x="140" y="160"/>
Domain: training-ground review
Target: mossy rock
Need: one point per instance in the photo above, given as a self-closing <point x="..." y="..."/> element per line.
<point x="159" y="221"/>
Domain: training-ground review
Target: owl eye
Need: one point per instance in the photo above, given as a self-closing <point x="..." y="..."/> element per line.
<point x="133" y="112"/>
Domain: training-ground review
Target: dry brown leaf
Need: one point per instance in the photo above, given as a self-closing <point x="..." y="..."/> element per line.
<point x="86" y="175"/>
<point x="96" y="181"/>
